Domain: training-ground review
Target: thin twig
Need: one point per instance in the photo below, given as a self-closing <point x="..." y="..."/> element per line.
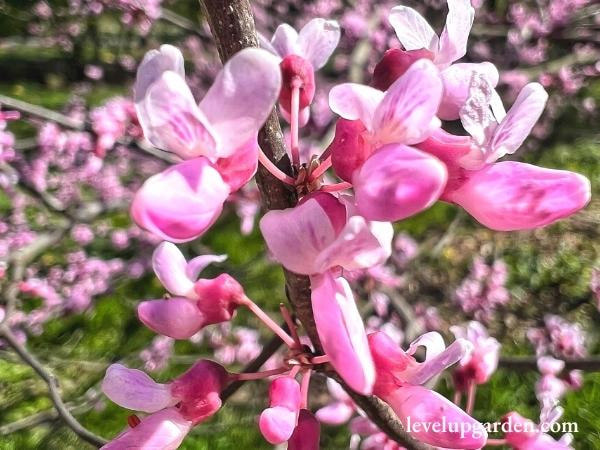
<point x="589" y="364"/>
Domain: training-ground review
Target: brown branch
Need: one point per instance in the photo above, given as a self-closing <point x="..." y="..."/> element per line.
<point x="590" y="364"/>
<point x="232" y="26"/>
<point x="53" y="389"/>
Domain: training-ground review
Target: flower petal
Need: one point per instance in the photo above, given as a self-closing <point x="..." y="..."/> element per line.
<point x="232" y="106"/>
<point x="510" y="195"/>
<point x="398" y="181"/>
<point x="285" y="40"/>
<point x="165" y="430"/>
<point x="413" y="31"/>
<point x="453" y="40"/>
<point x="342" y="332"/>
<point x="407" y="112"/>
<point x="182" y="202"/>
<point x="135" y="390"/>
<point x="169" y="266"/>
<point x="154" y="64"/>
<point x="195" y="266"/>
<point x="297" y="235"/>
<point x="239" y="168"/>
<point x="174" y="122"/>
<point x="519" y="120"/>
<point x="354" y="101"/>
<point x="307" y="434"/>
<point x="176" y="317"/>
<point x="277" y="424"/>
<point x="336" y="413"/>
<point x="317" y="41"/>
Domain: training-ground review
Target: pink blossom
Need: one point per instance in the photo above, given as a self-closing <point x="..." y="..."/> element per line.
<point x="277" y="423"/>
<point x="526" y="435"/>
<point x="307" y="434"/>
<point x="340" y="410"/>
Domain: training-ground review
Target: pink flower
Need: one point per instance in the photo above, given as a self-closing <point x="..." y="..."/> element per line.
<point x="307" y="434"/>
<point x="340" y="410"/>
<point x="175" y="407"/>
<point x="481" y="363"/>
<point x="197" y="303"/>
<point x="277" y="423"/>
<point x="399" y="380"/>
<point x="302" y="54"/>
<point x="526" y="435"/>
<point x="507" y="195"/>
<point x="391" y="180"/>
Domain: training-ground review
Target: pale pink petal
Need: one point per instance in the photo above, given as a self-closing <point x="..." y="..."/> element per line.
<point x="398" y="181"/>
<point x="355" y="102"/>
<point x="436" y="362"/>
<point x="265" y="44"/>
<point x="407" y="112"/>
<point x="195" y="266"/>
<point x="296" y="236"/>
<point x="548" y="365"/>
<point x="182" y="202"/>
<point x="423" y="406"/>
<point x="360" y="245"/>
<point x="135" y="390"/>
<point x="337" y="391"/>
<point x="154" y="64"/>
<point x="174" y="122"/>
<point x="169" y="266"/>
<point x="232" y="106"/>
<point x="285" y="40"/>
<point x="475" y="114"/>
<point x="307" y="434"/>
<point x="457" y="81"/>
<point x="176" y="317"/>
<point x="516" y="196"/>
<point x="239" y="168"/>
<point x="164" y="430"/>
<point x="453" y="40"/>
<point x="519" y="121"/>
<point x="336" y="413"/>
<point x="342" y="332"/>
<point x="317" y="41"/>
<point x="412" y="29"/>
<point x="277" y="424"/>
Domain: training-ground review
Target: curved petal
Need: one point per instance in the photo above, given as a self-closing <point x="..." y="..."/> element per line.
<point x="174" y="122"/>
<point x="417" y="407"/>
<point x="357" y="246"/>
<point x="438" y="359"/>
<point x="354" y="101"/>
<point x="195" y="266"/>
<point x="232" y="106"/>
<point x="342" y="332"/>
<point x="398" y="181"/>
<point x="182" y="202"/>
<point x="510" y="195"/>
<point x="336" y="413"/>
<point x="135" y="390"/>
<point x="285" y="40"/>
<point x="277" y="424"/>
<point x="412" y="29"/>
<point x="519" y="120"/>
<point x="457" y="84"/>
<point x="177" y="317"/>
<point x="169" y="266"/>
<point x="307" y="434"/>
<point x="165" y="430"/>
<point x="317" y="41"/>
<point x="297" y="235"/>
<point x="453" y="40"/>
<point x="407" y="113"/>
<point x="154" y="64"/>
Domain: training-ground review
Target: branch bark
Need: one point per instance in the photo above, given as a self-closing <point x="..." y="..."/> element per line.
<point x="232" y="26"/>
<point x="589" y="364"/>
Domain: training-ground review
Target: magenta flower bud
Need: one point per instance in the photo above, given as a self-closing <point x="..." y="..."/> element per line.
<point x="307" y="434"/>
<point x="349" y="148"/>
<point x="394" y="64"/>
<point x="278" y="422"/>
<point x="295" y="69"/>
<point x="199" y="390"/>
<point x="218" y="298"/>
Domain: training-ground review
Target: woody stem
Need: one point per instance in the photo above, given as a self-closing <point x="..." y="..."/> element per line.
<point x="290" y="323"/>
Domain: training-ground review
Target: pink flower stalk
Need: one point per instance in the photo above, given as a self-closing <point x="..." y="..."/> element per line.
<point x="301" y="55"/>
<point x="478" y="366"/>
<point x="184" y="201"/>
<point x="277" y="423"/>
<point x="371" y="150"/>
<point x="507" y="195"/>
<point x="420" y="41"/>
<point x="340" y="410"/>
<point x="197" y="302"/>
<point x="174" y="407"/>
<point x="399" y="380"/>
<point x="526" y="435"/>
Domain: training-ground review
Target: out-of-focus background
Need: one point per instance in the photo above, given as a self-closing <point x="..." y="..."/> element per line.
<point x="77" y="266"/>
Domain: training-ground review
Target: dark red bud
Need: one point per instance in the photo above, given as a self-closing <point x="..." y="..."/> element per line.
<point x="296" y="69"/>
<point x="393" y="65"/>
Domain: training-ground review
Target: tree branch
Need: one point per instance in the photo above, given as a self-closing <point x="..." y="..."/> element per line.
<point x="590" y="364"/>
<point x="232" y="26"/>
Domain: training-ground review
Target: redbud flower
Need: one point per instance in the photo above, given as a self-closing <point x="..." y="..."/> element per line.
<point x="525" y="435"/>
<point x="340" y="410"/>
<point x="399" y="380"/>
<point x="307" y="434"/>
<point x="277" y="423"/>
